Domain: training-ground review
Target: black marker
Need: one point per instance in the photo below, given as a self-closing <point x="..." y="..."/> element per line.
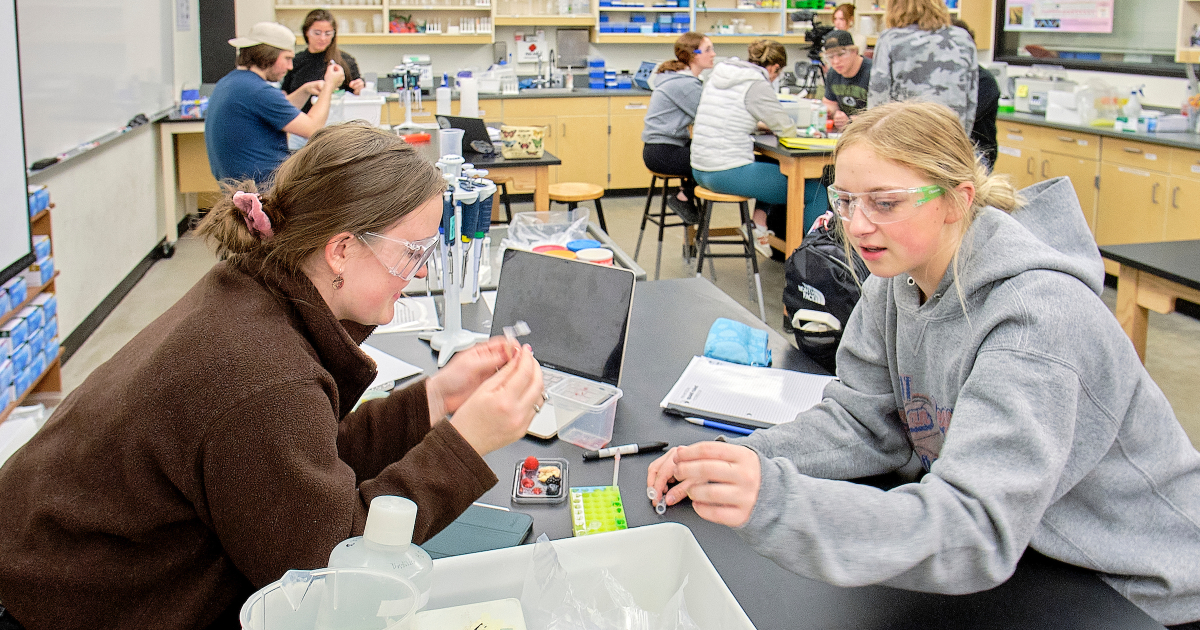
<point x="628" y="449"/>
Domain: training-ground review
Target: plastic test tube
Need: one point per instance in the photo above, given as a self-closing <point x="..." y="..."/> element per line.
<point x="660" y="506"/>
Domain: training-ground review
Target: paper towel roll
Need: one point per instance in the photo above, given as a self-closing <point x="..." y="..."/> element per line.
<point x="468" y="97"/>
<point x="443" y="101"/>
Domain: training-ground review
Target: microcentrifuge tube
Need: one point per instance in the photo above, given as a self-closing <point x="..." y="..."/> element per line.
<point x="660" y="505"/>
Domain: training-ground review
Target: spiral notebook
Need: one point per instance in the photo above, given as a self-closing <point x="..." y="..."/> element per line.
<point x="750" y="396"/>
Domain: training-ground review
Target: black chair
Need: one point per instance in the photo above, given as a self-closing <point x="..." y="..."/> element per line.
<point x="742" y="235"/>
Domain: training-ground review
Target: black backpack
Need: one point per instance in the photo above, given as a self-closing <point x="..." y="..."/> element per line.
<point x="819" y="281"/>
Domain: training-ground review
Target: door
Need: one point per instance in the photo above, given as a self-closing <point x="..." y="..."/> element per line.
<point x="583" y="148"/>
<point x="1083" y="177"/>
<point x="1135" y="208"/>
<point x="625" y="165"/>
<point x="1183" y="210"/>
<point x="1019" y="163"/>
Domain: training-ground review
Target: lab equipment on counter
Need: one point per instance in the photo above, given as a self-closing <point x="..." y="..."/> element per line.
<point x="406" y="79"/>
<point x="386" y="544"/>
<point x="443" y="96"/>
<point x="1031" y="91"/>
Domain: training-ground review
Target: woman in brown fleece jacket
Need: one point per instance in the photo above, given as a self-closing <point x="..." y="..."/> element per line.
<point x="217" y="449"/>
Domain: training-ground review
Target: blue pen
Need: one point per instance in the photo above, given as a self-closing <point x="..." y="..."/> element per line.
<point x="720" y="426"/>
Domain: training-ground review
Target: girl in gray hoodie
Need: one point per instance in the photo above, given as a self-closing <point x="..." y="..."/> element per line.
<point x="981" y="349"/>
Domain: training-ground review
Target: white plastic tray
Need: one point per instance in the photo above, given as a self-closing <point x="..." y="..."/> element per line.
<point x="650" y="562"/>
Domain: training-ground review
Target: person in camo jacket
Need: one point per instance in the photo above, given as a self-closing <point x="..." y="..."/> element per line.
<point x="921" y="56"/>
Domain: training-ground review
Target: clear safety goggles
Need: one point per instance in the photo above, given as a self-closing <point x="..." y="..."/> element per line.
<point x="836" y="53"/>
<point x="883" y="206"/>
<point x="401" y="258"/>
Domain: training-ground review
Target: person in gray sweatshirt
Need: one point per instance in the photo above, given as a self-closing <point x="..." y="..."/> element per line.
<point x="981" y="350"/>
<point x="668" y="141"/>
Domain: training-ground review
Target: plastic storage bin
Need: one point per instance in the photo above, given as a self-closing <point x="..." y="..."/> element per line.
<point x="332" y="598"/>
<point x="650" y="562"/>
<point x="584" y="411"/>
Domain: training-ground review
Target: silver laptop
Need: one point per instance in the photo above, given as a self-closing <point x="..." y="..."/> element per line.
<point x="578" y="315"/>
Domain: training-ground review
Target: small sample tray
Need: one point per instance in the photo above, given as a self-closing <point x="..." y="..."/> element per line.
<point x="596" y="509"/>
<point x="549" y="485"/>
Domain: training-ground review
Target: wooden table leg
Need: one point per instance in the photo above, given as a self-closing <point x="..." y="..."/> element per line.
<point x="792" y="168"/>
<point x="1134" y="318"/>
<point x="170" y="200"/>
<point x="541" y="190"/>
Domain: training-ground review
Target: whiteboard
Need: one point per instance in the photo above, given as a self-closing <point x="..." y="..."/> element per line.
<point x="89" y="66"/>
<point x="14" y="207"/>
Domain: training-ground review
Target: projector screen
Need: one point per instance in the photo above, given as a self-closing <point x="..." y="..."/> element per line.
<point x="16" y="250"/>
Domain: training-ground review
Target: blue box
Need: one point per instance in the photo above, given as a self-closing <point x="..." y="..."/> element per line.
<point x="596" y="85"/>
<point x="34" y="318"/>
<point x="596" y="62"/>
<point x="603" y="18"/>
<point x="40" y="272"/>
<point x="49" y="304"/>
<point x="7" y="374"/>
<point x="37" y="365"/>
<point x="51" y="327"/>
<point x="52" y="347"/>
<point x="41" y="246"/>
<point x="17" y="290"/>
<point x="20" y="357"/>
<point x="36" y="341"/>
<point x="637" y="18"/>
<point x="23" y="382"/>
<point x="16" y="331"/>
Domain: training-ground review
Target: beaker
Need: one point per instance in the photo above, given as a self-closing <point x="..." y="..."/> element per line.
<point x="450" y="141"/>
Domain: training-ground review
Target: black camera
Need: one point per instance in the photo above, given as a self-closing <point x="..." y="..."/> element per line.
<point x="815" y="36"/>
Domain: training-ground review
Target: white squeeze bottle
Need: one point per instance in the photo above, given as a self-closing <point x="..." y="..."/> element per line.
<point x="386" y="544"/>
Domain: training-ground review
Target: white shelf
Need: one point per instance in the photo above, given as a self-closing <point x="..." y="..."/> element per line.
<point x="335" y="7"/>
<point x="645" y="10"/>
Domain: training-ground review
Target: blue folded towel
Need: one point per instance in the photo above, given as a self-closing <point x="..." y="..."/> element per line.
<point x="737" y="343"/>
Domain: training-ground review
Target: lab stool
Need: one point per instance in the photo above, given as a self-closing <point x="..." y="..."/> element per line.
<point x="659" y="219"/>
<point x="571" y="193"/>
<point x="502" y="182"/>
<point x="744" y="237"/>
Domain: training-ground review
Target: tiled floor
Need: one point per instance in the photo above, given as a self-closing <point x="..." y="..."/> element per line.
<point x="1173" y="346"/>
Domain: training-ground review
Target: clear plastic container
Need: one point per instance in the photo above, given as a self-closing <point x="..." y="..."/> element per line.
<point x="332" y="598"/>
<point x="584" y="411"/>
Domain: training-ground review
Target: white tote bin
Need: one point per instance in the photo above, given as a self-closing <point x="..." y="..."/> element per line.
<point x="363" y="107"/>
<point x="650" y="562"/>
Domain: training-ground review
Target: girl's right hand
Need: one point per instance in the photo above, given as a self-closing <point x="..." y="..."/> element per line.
<point x="499" y="411"/>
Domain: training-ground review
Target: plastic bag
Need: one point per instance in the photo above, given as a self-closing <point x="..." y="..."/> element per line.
<point x="590" y="599"/>
<point x="539" y="228"/>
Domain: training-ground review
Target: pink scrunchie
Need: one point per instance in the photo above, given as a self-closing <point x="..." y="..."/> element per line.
<point x="256" y="219"/>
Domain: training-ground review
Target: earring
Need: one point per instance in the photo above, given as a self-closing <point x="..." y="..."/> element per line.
<point x="338" y="282"/>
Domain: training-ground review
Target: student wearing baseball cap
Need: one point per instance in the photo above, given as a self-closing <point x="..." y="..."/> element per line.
<point x="248" y="119"/>
<point x="848" y="78"/>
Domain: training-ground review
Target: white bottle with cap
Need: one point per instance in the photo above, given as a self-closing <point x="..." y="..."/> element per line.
<point x="387" y="544"/>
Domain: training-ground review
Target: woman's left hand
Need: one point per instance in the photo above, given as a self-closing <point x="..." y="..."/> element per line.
<point x="721" y="479"/>
<point x="453" y="384"/>
<point x="357" y="86"/>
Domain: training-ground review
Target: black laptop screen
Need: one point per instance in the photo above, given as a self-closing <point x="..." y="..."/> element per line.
<point x="578" y="313"/>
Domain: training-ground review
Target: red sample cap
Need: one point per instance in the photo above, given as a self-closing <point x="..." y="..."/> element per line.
<point x="531" y="463"/>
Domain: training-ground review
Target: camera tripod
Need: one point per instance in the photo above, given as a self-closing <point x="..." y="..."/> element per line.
<point x="809" y="78"/>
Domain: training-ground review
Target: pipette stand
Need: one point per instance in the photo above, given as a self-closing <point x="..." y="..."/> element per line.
<point x="452" y="338"/>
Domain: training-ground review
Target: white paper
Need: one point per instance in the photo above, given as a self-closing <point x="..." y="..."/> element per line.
<point x="390" y="368"/>
<point x="754" y="396"/>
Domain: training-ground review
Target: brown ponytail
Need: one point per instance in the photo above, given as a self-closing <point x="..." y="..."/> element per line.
<point x="685" y="49"/>
<point x="350" y="177"/>
<point x="767" y="52"/>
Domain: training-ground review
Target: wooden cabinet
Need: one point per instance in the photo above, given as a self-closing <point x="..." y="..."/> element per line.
<point x="583" y="148"/>
<point x="627" y="117"/>
<point x="1138" y="213"/>
<point x="1031" y="154"/>
<point x="50" y="379"/>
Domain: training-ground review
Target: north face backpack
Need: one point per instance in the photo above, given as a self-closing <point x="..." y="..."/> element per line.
<point x="820" y="291"/>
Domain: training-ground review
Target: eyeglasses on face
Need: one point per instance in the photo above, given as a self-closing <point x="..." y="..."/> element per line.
<point x="883" y="206"/>
<point x="317" y="33"/>
<point x="836" y="53"/>
<point x="400" y="257"/>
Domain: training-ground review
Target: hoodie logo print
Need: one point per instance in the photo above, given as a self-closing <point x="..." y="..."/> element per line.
<point x="927" y="422"/>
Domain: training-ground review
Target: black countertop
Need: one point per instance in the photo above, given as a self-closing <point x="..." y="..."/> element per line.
<point x="1177" y="261"/>
<point x="1181" y="139"/>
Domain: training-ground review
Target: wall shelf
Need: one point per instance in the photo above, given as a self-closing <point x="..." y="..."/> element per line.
<point x="748" y="38"/>
<point x="544" y="20"/>
<point x="645" y="10"/>
<point x="340" y="7"/>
